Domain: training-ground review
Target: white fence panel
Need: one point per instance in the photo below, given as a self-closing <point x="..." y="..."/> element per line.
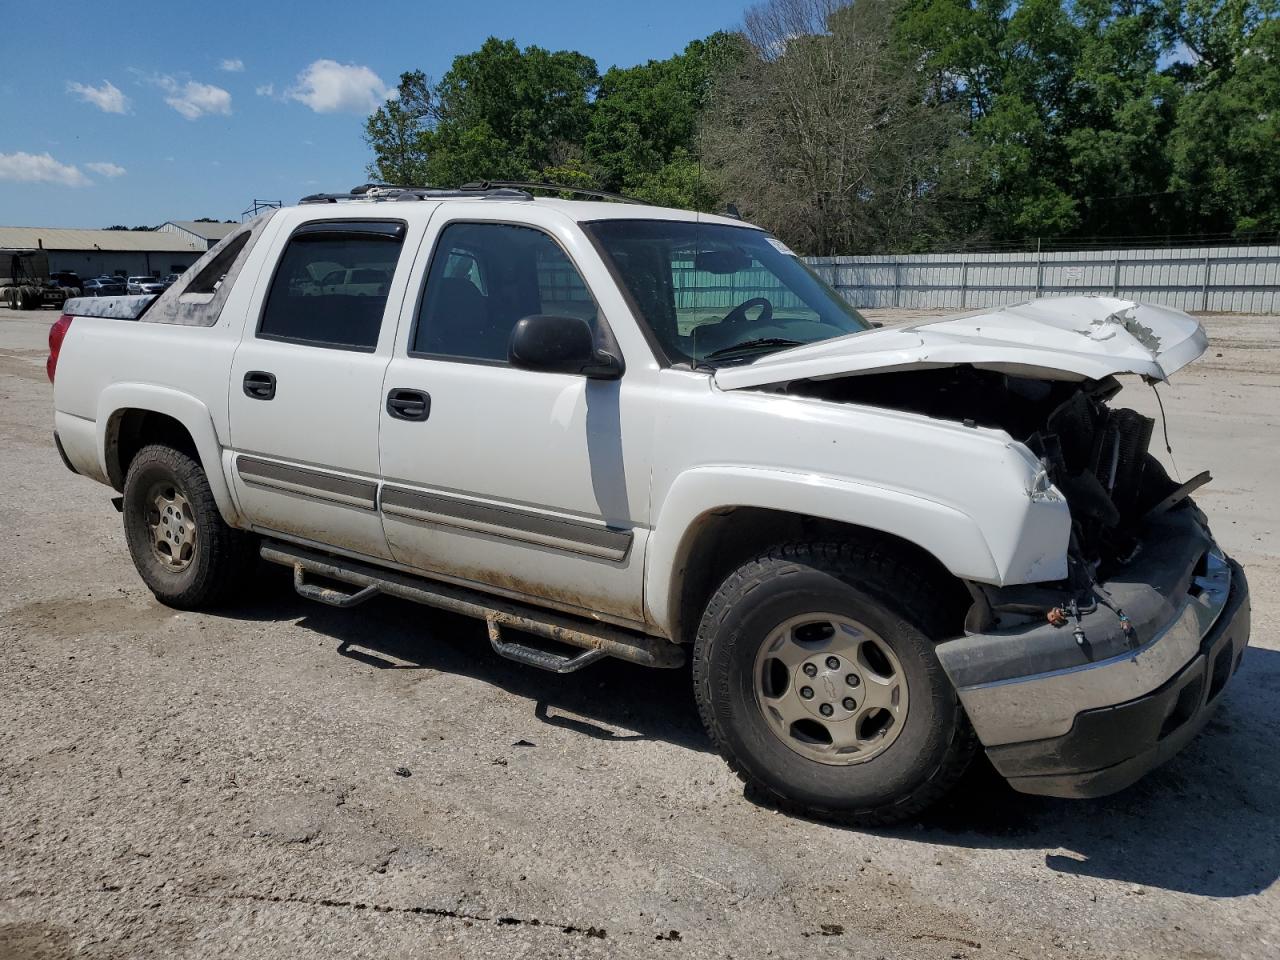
<point x="1219" y="279"/>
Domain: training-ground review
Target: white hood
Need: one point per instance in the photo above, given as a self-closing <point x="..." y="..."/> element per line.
<point x="1058" y="338"/>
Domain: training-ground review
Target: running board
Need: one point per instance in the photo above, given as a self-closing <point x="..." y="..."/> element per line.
<point x="597" y="639"/>
<point x="542" y="659"/>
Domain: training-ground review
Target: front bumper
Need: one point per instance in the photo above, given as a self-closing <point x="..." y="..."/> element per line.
<point x="1063" y="718"/>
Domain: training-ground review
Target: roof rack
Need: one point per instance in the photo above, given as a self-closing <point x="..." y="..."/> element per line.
<point x="557" y="187"/>
<point x="383" y="191"/>
<point x="480" y="189"/>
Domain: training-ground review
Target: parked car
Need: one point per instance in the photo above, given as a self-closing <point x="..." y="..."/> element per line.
<point x="145" y="285"/>
<point x="171" y="279"/>
<point x="104" y="287"/>
<point x="652" y="434"/>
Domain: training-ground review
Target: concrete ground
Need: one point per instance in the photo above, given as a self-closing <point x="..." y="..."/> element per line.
<point x="283" y="779"/>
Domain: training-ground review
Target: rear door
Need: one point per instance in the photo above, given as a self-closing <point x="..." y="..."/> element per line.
<point x="306" y="382"/>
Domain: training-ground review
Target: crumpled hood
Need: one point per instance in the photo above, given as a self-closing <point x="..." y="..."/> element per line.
<point x="1056" y="338"/>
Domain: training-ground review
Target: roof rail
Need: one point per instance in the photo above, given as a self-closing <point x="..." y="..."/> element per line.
<point x="558" y="187"/>
<point x="382" y="191"/>
<point x="481" y="189"/>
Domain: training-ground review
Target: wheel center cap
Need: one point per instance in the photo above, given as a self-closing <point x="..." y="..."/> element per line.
<point x="829" y="687"/>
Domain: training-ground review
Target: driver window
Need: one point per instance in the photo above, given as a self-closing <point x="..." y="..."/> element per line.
<point x="483" y="279"/>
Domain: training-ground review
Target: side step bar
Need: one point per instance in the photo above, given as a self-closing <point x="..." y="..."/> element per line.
<point x="597" y="640"/>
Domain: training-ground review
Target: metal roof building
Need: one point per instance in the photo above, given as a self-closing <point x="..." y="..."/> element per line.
<point x="90" y="253"/>
<point x="198" y="231"/>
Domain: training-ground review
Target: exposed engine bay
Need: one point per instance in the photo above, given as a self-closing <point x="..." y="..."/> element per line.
<point x="1095" y="454"/>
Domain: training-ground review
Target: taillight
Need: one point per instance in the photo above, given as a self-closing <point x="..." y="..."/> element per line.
<point x="57" y="333"/>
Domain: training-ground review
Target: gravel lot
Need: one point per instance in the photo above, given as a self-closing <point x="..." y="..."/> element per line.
<point x="284" y="779"/>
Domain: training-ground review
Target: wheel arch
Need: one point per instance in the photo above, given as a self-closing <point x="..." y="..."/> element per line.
<point x="132" y="416"/>
<point x="703" y="532"/>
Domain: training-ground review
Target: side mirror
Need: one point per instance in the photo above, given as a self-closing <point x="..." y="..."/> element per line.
<point x="560" y="345"/>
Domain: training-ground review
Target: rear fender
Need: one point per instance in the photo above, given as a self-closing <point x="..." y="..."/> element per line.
<point x="188" y="411"/>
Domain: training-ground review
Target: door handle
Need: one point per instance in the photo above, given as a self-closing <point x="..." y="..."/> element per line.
<point x="409" y="404"/>
<point x="259" y="385"/>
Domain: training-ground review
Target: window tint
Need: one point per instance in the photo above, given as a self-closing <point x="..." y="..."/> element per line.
<point x="484" y="278"/>
<point x="330" y="288"/>
<point x="720" y="294"/>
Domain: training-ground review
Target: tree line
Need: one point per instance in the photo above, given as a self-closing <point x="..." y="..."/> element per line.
<point x="852" y="126"/>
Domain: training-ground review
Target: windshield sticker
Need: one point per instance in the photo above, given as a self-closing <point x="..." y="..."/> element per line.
<point x="780" y="246"/>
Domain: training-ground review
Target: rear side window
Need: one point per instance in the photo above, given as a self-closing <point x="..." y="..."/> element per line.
<point x="208" y="280"/>
<point x="330" y="288"/>
<point x="484" y="278"/>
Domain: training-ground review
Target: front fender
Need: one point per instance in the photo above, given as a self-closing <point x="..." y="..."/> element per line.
<point x="953" y="537"/>
<point x="192" y="413"/>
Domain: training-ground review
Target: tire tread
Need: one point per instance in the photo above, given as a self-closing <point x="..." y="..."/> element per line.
<point x="878" y="570"/>
<point x="231" y="558"/>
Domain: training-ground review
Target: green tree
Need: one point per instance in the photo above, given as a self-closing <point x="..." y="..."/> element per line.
<point x="644" y="127"/>
<point x="825" y="134"/>
<point x="1225" y="148"/>
<point x="1068" y="111"/>
<point x="498" y="113"/>
<point x="399" y="132"/>
<point x="1118" y="115"/>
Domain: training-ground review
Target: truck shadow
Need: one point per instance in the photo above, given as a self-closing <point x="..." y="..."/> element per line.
<point x="611" y="700"/>
<point x="1203" y="824"/>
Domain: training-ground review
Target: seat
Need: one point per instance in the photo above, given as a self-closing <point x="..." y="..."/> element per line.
<point x="458" y="322"/>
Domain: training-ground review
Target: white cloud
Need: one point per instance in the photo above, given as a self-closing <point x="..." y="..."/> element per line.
<point x="327" y="86"/>
<point x="40" y="168"/>
<point x="108" y="170"/>
<point x="265" y="90"/>
<point x="192" y="99"/>
<point x="232" y="66"/>
<point x="106" y="98"/>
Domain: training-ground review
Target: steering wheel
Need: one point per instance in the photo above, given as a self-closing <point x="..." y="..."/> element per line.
<point x="739" y="313"/>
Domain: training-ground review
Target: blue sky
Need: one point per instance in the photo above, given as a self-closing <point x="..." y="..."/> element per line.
<point x="141" y="113"/>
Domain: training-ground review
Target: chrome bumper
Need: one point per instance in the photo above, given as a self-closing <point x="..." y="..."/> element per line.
<point x="1054" y="713"/>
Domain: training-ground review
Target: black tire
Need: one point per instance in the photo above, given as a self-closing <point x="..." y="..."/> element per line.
<point x="221" y="559"/>
<point x="873" y="585"/>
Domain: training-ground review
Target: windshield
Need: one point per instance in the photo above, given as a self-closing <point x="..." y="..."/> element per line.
<point x="718" y="294"/>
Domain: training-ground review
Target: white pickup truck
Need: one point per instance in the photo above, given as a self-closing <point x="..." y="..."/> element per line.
<point x="611" y="429"/>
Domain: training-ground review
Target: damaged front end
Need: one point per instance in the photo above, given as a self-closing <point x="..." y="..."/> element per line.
<point x="1095" y="455"/>
<point x="1078" y="686"/>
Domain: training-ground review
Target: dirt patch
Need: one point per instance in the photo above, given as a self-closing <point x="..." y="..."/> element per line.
<point x="75" y="617"/>
<point x="231" y="784"/>
<point x="34" y="941"/>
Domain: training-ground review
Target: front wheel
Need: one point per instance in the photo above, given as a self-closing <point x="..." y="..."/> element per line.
<point x="181" y="546"/>
<point x="816" y="677"/>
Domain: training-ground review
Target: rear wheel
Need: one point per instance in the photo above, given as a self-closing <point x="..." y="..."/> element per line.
<point x="181" y="546"/>
<point x="816" y="677"/>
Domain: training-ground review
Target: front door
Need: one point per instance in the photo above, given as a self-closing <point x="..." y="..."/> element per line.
<point x="530" y="483"/>
<point x="306" y="383"/>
